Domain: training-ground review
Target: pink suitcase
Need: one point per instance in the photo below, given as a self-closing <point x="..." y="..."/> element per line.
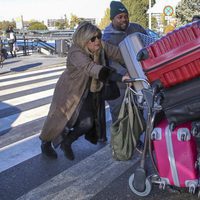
<point x="176" y="155"/>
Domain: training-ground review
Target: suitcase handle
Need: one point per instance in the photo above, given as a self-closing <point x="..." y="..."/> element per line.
<point x="142" y="54"/>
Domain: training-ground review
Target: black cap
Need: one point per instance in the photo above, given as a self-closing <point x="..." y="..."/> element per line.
<point x="116" y="7"/>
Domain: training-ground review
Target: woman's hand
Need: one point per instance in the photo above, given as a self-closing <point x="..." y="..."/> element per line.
<point x="125" y="77"/>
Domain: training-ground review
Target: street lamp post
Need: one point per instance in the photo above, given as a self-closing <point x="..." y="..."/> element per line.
<point x="25" y="53"/>
<point x="149" y="14"/>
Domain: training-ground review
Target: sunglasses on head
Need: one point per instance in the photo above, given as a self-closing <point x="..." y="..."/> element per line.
<point x="95" y="37"/>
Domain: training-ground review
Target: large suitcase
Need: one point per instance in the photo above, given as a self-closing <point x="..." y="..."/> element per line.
<point x="181" y="103"/>
<point x="176" y="154"/>
<point x="129" y="48"/>
<point x="175" y="57"/>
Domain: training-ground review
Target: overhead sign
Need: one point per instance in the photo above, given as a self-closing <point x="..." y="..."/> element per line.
<point x="19" y="22"/>
<point x="168" y="10"/>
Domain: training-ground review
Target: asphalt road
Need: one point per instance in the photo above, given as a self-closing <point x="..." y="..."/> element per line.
<point x="26" y="89"/>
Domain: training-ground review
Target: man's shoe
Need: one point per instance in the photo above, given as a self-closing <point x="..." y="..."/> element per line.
<point x="48" y="150"/>
<point x="67" y="149"/>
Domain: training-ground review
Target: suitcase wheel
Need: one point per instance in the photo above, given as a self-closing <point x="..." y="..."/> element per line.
<point x="148" y="187"/>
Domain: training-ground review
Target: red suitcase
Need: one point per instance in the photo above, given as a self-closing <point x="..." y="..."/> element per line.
<point x="175" y="57"/>
<point x="176" y="155"/>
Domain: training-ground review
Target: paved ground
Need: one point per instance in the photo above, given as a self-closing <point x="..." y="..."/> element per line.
<point x="26" y="87"/>
<point x="31" y="62"/>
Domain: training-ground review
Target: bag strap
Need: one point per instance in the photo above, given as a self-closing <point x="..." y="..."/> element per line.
<point x="132" y="107"/>
<point x="131" y="116"/>
<point x="131" y="99"/>
<point x="123" y="106"/>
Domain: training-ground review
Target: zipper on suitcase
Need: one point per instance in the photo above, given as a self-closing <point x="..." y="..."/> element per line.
<point x="196" y="99"/>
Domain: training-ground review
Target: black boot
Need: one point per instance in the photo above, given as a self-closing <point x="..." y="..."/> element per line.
<point x="67" y="149"/>
<point x="48" y="150"/>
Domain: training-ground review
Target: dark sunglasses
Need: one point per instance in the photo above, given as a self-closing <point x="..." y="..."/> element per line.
<point x="95" y="37"/>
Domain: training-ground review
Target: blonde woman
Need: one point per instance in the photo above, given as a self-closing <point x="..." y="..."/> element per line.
<point x="73" y="105"/>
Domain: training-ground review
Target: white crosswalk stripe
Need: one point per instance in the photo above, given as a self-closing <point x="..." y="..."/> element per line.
<point x="28" y="87"/>
<point x="23" y="116"/>
<point x="25" y="99"/>
<point x="77" y="177"/>
<point x="2" y="78"/>
<point x="82" y="183"/>
<point x="26" y="116"/>
<point x="18" y="152"/>
<point x="23" y="80"/>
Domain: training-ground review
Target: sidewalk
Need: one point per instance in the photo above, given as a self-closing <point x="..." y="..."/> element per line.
<point x="31" y="62"/>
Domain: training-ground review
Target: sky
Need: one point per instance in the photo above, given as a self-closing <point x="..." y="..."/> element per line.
<point x="160" y="4"/>
<point x="53" y="9"/>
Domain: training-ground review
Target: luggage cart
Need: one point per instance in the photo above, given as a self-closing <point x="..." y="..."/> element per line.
<point x="173" y="153"/>
<point x="172" y="150"/>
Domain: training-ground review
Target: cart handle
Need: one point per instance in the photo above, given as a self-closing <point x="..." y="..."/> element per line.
<point x="131" y="80"/>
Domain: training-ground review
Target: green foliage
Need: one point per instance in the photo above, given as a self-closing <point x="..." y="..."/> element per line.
<point x="153" y="2"/>
<point x="59" y="25"/>
<point x="138" y="11"/>
<point x="62" y="25"/>
<point x="4" y="25"/>
<point x="105" y="20"/>
<point x="186" y="9"/>
<point x="37" y="26"/>
<point x="154" y="23"/>
<point x="74" y="21"/>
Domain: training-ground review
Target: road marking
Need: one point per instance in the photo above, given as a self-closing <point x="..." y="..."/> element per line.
<point x="23" y="117"/>
<point x="25" y="99"/>
<point x="23" y="80"/>
<point x="31" y="72"/>
<point x="18" y="152"/>
<point x="83" y="180"/>
<point x="25" y="149"/>
<point x="27" y="87"/>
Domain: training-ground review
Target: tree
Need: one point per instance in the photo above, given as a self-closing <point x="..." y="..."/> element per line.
<point x="62" y="25"/>
<point x="186" y="9"/>
<point x="105" y="20"/>
<point x="59" y="25"/>
<point x="138" y="11"/>
<point x="4" y="25"/>
<point x="74" y="21"/>
<point x="37" y="26"/>
<point x="66" y="23"/>
<point x="154" y="23"/>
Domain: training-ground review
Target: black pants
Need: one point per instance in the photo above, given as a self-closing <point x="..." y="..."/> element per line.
<point x="84" y="122"/>
<point x="12" y="49"/>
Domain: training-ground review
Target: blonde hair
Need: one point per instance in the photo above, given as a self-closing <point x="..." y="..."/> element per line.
<point x="84" y="32"/>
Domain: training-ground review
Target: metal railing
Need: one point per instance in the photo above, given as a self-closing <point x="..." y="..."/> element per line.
<point x="2" y="56"/>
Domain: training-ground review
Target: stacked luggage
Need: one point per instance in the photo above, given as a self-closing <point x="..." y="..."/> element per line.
<point x="175" y="58"/>
<point x="172" y="66"/>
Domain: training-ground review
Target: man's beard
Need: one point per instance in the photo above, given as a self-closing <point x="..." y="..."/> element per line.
<point x="124" y="26"/>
